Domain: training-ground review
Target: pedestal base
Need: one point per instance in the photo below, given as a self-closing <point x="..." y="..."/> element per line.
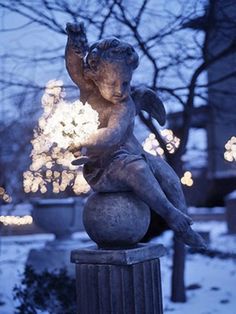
<point x="119" y="281"/>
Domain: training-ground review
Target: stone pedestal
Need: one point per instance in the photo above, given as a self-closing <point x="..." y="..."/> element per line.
<point x="122" y="281"/>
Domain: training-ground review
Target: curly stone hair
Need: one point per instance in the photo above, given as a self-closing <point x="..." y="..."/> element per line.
<point x="111" y="49"/>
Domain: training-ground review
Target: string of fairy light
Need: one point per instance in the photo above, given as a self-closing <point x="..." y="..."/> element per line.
<point x="8" y="220"/>
<point x="16" y="220"/>
<point x="187" y="179"/>
<point x="5" y="196"/>
<point x="230" y="150"/>
<point x="152" y="146"/>
<point x="62" y="124"/>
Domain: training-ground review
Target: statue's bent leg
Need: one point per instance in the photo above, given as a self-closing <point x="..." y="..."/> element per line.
<point x="168" y="180"/>
<point x="137" y="175"/>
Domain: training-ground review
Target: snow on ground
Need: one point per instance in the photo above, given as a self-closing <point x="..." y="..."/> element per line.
<point x="214" y="279"/>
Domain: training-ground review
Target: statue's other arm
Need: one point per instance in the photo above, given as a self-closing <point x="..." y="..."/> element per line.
<point x="121" y="119"/>
<point x="76" y="48"/>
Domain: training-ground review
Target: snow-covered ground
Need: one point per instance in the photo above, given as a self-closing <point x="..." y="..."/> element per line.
<point x="211" y="281"/>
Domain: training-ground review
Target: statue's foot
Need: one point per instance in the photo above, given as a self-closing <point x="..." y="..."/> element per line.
<point x="191" y="238"/>
<point x="178" y="221"/>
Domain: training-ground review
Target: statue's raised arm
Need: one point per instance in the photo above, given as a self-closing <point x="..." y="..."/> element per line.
<point x="76" y="49"/>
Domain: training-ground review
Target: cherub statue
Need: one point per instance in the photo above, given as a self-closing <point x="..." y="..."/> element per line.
<point x="113" y="159"/>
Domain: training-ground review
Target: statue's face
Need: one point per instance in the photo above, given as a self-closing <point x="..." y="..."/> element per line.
<point x="114" y="81"/>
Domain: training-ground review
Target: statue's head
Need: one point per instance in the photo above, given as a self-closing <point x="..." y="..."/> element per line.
<point x="110" y="64"/>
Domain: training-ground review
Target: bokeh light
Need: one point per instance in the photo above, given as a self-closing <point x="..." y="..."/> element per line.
<point x="16" y="220"/>
<point x="187" y="179"/>
<point x="61" y="125"/>
<point x="230" y="149"/>
<point x="5" y="196"/>
<point x="152" y="146"/>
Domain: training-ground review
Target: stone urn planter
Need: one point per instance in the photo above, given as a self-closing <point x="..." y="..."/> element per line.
<point x="61" y="217"/>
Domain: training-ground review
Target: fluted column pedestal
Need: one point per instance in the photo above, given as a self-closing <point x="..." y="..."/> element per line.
<point x="125" y="281"/>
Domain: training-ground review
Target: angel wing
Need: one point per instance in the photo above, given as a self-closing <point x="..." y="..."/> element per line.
<point x="147" y="100"/>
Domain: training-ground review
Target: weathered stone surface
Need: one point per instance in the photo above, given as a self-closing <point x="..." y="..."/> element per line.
<point x="116" y="219"/>
<point x="93" y="255"/>
<point x="108" y="288"/>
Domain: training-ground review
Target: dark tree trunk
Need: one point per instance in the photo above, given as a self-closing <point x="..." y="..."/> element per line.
<point x="178" y="293"/>
<point x="178" y="284"/>
<point x="177" y="281"/>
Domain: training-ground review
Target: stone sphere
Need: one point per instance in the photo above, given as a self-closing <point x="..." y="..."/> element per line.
<point x="116" y="220"/>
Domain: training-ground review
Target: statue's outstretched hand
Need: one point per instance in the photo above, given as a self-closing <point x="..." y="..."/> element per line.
<point x="79" y="153"/>
<point x="80" y="161"/>
<point x="77" y="38"/>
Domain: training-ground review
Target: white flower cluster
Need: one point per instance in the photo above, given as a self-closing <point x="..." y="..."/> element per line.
<point x="61" y="125"/>
<point x="152" y="146"/>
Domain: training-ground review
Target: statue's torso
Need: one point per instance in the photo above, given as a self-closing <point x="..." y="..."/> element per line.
<point x="104" y="109"/>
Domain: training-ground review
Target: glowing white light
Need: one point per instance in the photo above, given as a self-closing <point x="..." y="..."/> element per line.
<point x="4" y="196"/>
<point x="152" y="146"/>
<point x="187" y="179"/>
<point x="16" y="220"/>
<point x="61" y="125"/>
<point x="230" y="149"/>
